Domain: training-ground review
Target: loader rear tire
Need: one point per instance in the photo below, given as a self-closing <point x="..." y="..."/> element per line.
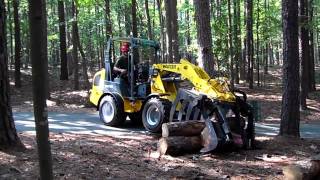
<point x="156" y="111"/>
<point x="111" y="111"/>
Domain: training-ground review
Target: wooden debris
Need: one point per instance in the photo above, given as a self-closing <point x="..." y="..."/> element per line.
<point x="178" y="145"/>
<point x="186" y="128"/>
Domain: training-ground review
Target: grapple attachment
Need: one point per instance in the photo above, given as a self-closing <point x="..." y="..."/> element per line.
<point x="226" y="123"/>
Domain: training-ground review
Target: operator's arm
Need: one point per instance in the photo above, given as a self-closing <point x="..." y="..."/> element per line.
<point x="119" y="70"/>
<point x="118" y="67"/>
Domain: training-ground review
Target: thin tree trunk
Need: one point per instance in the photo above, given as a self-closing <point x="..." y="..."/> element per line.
<point x="75" y="47"/>
<point x="237" y="38"/>
<point x="17" y="44"/>
<point x="84" y="60"/>
<point x="230" y="44"/>
<point x="304" y="54"/>
<point x="63" y="41"/>
<point x="146" y="5"/>
<point x="134" y="28"/>
<point x="205" y="54"/>
<point x="312" y="83"/>
<point x="258" y="43"/>
<point x="108" y="19"/>
<point x="290" y="114"/>
<point x="249" y="41"/>
<point x="162" y="34"/>
<point x="38" y="33"/>
<point x="175" y="29"/>
<point x="169" y="53"/>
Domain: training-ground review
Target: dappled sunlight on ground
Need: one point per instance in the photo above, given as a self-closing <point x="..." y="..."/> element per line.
<point x="103" y="157"/>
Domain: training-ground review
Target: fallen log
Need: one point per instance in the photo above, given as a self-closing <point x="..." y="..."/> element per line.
<point x="186" y="128"/>
<point x="306" y="169"/>
<point x="178" y="145"/>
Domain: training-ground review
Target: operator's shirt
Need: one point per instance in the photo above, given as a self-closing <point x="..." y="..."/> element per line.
<point x="122" y="62"/>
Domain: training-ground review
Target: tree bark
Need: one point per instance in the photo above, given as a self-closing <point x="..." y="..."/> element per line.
<point x="38" y="25"/>
<point x="169" y="55"/>
<point x="175" y="29"/>
<point x="231" y="60"/>
<point x="17" y="45"/>
<point x="179" y="145"/>
<point x="84" y="59"/>
<point x="205" y="52"/>
<point x="8" y="133"/>
<point x="258" y="44"/>
<point x="304" y="54"/>
<point x="134" y="28"/>
<point x="75" y="46"/>
<point x="146" y="5"/>
<point x="249" y="41"/>
<point x="290" y="114"/>
<point x="162" y="32"/>
<point x="108" y="19"/>
<point x="63" y="42"/>
<point x="312" y="82"/>
<point x="187" y="128"/>
<point x="237" y="38"/>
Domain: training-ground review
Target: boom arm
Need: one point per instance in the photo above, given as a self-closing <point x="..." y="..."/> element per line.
<point x="213" y="88"/>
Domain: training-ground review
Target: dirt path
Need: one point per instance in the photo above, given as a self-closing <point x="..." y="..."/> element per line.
<point x="133" y="157"/>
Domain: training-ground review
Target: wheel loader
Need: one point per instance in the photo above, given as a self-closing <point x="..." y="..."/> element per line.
<point x="168" y="92"/>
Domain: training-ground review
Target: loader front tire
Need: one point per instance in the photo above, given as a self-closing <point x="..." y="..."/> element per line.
<point x="156" y="111"/>
<point x="111" y="111"/>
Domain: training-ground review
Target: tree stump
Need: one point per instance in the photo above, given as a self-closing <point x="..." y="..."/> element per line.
<point x="186" y="128"/>
<point x="178" y="145"/>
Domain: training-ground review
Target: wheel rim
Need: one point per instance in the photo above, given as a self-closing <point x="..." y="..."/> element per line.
<point x="153" y="115"/>
<point x="107" y="112"/>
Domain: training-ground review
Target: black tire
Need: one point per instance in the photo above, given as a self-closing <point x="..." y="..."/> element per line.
<point x="135" y="118"/>
<point x="111" y="112"/>
<point x="155" y="112"/>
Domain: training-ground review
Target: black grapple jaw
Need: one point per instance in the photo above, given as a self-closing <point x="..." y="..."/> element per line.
<point x="226" y="123"/>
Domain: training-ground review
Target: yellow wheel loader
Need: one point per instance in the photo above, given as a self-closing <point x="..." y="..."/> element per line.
<point x="159" y="93"/>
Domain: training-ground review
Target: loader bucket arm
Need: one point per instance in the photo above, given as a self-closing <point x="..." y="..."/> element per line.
<point x="214" y="88"/>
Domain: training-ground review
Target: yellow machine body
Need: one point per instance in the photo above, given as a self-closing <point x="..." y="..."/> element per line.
<point x="202" y="83"/>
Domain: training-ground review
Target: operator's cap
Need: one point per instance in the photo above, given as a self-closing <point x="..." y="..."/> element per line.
<point x="124" y="47"/>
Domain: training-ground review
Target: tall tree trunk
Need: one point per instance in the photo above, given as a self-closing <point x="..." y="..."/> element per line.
<point x="10" y="57"/>
<point x="175" y="27"/>
<point x="134" y="28"/>
<point x="312" y="82"/>
<point x="75" y="46"/>
<point x="162" y="34"/>
<point x="8" y="133"/>
<point x="230" y="44"/>
<point x="146" y="5"/>
<point x="205" y="54"/>
<point x="169" y="55"/>
<point x="304" y="54"/>
<point x="38" y="24"/>
<point x="258" y="43"/>
<point x="188" y="35"/>
<point x="63" y="42"/>
<point x="84" y="59"/>
<point x="237" y="38"/>
<point x="249" y="41"/>
<point x="290" y="114"/>
<point x="108" y="19"/>
<point x="17" y="45"/>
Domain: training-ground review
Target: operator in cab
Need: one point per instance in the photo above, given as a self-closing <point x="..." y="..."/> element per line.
<point x="121" y="66"/>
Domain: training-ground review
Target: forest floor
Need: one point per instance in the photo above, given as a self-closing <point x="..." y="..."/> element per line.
<point x="105" y="157"/>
